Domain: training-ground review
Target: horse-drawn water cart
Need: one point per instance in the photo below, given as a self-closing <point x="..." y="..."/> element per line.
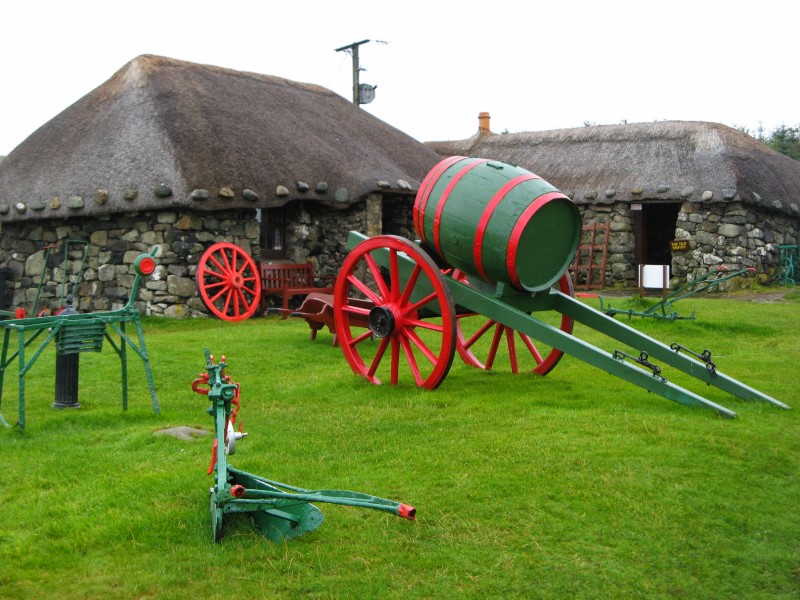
<point x="495" y="245"/>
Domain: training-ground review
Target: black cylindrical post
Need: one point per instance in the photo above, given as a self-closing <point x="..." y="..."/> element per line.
<point x="67" y="371"/>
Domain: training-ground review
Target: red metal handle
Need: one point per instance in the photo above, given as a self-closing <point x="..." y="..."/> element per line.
<point x="213" y="458"/>
<point x="201" y="380"/>
<point x="407" y="512"/>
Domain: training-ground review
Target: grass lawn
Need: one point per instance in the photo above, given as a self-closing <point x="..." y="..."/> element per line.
<point x="573" y="485"/>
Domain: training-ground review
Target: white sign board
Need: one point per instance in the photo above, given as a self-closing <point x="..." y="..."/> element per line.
<point x="653" y="276"/>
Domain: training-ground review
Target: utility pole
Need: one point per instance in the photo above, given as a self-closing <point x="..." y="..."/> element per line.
<point x="352" y="49"/>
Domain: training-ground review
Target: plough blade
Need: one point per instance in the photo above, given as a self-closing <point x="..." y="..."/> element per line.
<point x="276" y="516"/>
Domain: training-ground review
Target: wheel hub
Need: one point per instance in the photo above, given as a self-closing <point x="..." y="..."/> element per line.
<point x="381" y="321"/>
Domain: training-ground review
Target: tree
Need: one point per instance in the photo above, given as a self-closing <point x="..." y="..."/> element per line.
<point x="785" y="140"/>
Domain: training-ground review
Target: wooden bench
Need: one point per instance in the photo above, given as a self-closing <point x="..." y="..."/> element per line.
<point x="291" y="279"/>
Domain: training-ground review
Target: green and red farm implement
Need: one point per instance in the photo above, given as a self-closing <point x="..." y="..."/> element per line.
<point x="280" y="511"/>
<point x="75" y="333"/>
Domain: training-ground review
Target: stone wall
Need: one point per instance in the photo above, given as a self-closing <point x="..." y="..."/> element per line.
<point x="314" y="231"/>
<point x="397" y="217"/>
<point x="317" y="233"/>
<point x="733" y="235"/>
<point x="113" y="243"/>
<point x="621" y="266"/>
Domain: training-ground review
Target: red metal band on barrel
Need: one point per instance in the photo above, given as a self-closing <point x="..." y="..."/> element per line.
<point x="444" y="197"/>
<point x="519" y="227"/>
<point x="477" y="247"/>
<point x="424" y="193"/>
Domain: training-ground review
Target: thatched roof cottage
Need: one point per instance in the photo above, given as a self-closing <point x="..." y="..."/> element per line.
<point x="184" y="155"/>
<point x="731" y="198"/>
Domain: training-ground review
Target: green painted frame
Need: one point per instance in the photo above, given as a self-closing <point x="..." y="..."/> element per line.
<point x="74" y="333"/>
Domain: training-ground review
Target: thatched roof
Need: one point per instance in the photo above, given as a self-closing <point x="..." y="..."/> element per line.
<point x="161" y="125"/>
<point x="667" y="160"/>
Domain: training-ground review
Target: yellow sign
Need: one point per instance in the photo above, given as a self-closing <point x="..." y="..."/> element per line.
<point x="679" y="245"/>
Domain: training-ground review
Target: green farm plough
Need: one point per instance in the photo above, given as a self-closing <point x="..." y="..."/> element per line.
<point x="663" y="308"/>
<point x="279" y="511"/>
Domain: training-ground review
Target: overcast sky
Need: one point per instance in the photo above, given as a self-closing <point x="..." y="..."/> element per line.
<point x="533" y="65"/>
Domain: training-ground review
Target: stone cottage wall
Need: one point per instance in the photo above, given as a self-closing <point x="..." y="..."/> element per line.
<point x="398" y="218"/>
<point x="621" y="264"/>
<point x="318" y="234"/>
<point x="733" y="235"/>
<point x="113" y="245"/>
<point x="314" y="232"/>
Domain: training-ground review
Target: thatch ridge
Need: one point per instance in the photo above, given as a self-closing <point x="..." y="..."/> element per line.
<point x="664" y="160"/>
<point x="199" y="127"/>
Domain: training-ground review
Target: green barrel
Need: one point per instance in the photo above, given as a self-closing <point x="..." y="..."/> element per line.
<point x="497" y="221"/>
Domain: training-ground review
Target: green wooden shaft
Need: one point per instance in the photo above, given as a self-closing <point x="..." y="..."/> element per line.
<point x="658" y="351"/>
<point x="123" y="360"/>
<point x="22" y="369"/>
<point x="221" y="424"/>
<point x="3" y="365"/>
<point x="494" y="308"/>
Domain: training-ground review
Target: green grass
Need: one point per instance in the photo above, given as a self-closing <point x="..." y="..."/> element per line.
<point x="574" y="485"/>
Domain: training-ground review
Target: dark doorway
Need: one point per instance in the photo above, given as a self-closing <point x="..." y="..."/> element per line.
<point x="656" y="231"/>
<point x="397" y="217"/>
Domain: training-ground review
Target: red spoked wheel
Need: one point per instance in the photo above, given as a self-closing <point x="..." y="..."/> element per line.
<point x="229" y="282"/>
<point x="480" y="339"/>
<point x="408" y="328"/>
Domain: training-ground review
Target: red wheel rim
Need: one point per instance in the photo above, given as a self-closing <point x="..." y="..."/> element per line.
<point x="398" y="334"/>
<point x="229" y="282"/>
<point x="478" y="336"/>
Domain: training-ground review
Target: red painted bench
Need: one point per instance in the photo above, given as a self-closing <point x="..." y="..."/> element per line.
<point x="292" y="279"/>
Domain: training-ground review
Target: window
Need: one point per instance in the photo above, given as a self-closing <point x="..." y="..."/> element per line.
<point x="273" y="232"/>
